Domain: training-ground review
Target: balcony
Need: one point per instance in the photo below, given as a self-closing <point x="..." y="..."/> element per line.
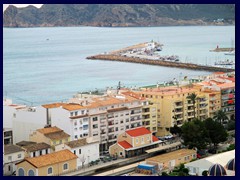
<point x="190" y="110"/>
<point x="211" y="105"/>
<point x="178" y="112"/>
<point x="212" y="99"/>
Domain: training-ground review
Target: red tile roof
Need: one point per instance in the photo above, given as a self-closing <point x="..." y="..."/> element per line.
<point x="138" y="132"/>
<point x="125" y="144"/>
<point x="154" y="139"/>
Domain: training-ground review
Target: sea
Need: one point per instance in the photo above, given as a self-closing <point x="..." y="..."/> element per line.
<point x="48" y="64"/>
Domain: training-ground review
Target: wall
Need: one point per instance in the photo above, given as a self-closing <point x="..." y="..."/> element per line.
<point x="12" y="162"/>
<point x="26" y="122"/>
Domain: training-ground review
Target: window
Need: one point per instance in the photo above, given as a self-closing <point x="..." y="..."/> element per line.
<point x="21" y="172"/>
<point x="65" y="166"/>
<point x="95" y="119"/>
<point x="31" y="173"/>
<point x="75" y="136"/>
<point x="46" y="151"/>
<point x="82" y="111"/>
<point x="74" y="152"/>
<point x="9" y="168"/>
<point x="76" y="113"/>
<point x="120" y="153"/>
<point x="9" y="158"/>
<point x="116" y="129"/>
<point x="137" y="141"/>
<point x="71" y="114"/>
<point x="14" y="115"/>
<point x="50" y="170"/>
<point x="79" y="151"/>
<point x="142" y="140"/>
<point x="95" y="126"/>
<point x="19" y="155"/>
<point x="148" y="139"/>
<point x="40" y="152"/>
<point x="34" y="154"/>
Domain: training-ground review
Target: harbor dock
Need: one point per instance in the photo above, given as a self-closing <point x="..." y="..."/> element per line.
<point x="111" y="57"/>
<point x="145" y="53"/>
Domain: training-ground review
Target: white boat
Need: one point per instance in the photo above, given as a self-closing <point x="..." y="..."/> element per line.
<point x="232" y="53"/>
<point x="226" y="62"/>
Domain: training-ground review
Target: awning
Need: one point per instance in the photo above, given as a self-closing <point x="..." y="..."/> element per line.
<point x="160" y="148"/>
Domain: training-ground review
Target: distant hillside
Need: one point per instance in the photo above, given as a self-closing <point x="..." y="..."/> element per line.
<point x="119" y="15"/>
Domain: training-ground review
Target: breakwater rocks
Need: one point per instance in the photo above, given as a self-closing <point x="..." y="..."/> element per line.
<point x="111" y="57"/>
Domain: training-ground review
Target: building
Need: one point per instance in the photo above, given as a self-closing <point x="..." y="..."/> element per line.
<point x="53" y="164"/>
<point x="102" y="118"/>
<point x="50" y="135"/>
<point x="223" y="84"/>
<point x="12" y="155"/>
<point x="36" y="149"/>
<point x="133" y="143"/>
<point x="7" y="136"/>
<point x="173" y="106"/>
<point x="86" y="149"/>
<point x="198" y="166"/>
<point x="170" y="160"/>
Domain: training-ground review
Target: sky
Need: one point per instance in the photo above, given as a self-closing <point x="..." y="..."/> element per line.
<point x="20" y="5"/>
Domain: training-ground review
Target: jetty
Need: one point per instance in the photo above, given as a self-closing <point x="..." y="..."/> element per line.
<point x="222" y="49"/>
<point x="144" y="53"/>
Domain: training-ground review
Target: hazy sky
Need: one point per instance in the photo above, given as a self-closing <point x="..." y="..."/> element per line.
<point x="20" y="5"/>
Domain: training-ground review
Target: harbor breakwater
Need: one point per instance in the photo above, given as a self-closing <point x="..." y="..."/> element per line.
<point x="113" y="57"/>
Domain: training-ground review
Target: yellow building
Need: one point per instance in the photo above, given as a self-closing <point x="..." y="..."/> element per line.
<point x="149" y="112"/>
<point x="50" y="135"/>
<point x="53" y="164"/>
<point x="133" y="143"/>
<point x="173" y="106"/>
<point x="172" y="159"/>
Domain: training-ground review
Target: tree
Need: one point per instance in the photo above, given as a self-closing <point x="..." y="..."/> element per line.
<point x="194" y="134"/>
<point x="175" y="130"/>
<point x="193" y="98"/>
<point x="205" y="173"/>
<point x="220" y="116"/>
<point x="215" y="131"/>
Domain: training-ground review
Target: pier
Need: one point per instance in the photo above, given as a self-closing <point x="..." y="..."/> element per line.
<point x="145" y="53"/>
<point x="112" y="57"/>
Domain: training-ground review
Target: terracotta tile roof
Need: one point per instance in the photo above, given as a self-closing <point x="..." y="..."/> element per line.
<point x="78" y="143"/>
<point x="133" y="94"/>
<point x="67" y="106"/>
<point x="9" y="149"/>
<point x="53" y="105"/>
<point x="125" y="144"/>
<point x="172" y="155"/>
<point x="36" y="147"/>
<point x="219" y="73"/>
<point x="57" y="135"/>
<point x="138" y="131"/>
<point x="48" y="130"/>
<point x="226" y="85"/>
<point x="25" y="143"/>
<point x="154" y="138"/>
<point x="53" y="133"/>
<point x="52" y="158"/>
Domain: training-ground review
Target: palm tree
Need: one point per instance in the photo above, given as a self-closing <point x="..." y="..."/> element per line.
<point x="193" y="98"/>
<point x="220" y="116"/>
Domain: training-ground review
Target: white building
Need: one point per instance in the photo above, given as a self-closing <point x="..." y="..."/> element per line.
<point x="37" y="149"/>
<point x="12" y="155"/>
<point x="198" y="166"/>
<point x="22" y="119"/>
<point x="86" y="149"/>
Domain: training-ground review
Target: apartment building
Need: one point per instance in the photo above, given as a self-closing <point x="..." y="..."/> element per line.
<point x="173" y="106"/>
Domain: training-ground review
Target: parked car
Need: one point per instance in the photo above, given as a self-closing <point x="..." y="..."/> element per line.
<point x="212" y="151"/>
<point x="168" y="136"/>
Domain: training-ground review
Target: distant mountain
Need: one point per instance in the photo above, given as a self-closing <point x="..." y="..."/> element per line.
<point x="119" y="15"/>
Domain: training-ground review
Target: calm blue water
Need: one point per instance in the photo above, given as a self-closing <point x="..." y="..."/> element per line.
<point x="41" y="71"/>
